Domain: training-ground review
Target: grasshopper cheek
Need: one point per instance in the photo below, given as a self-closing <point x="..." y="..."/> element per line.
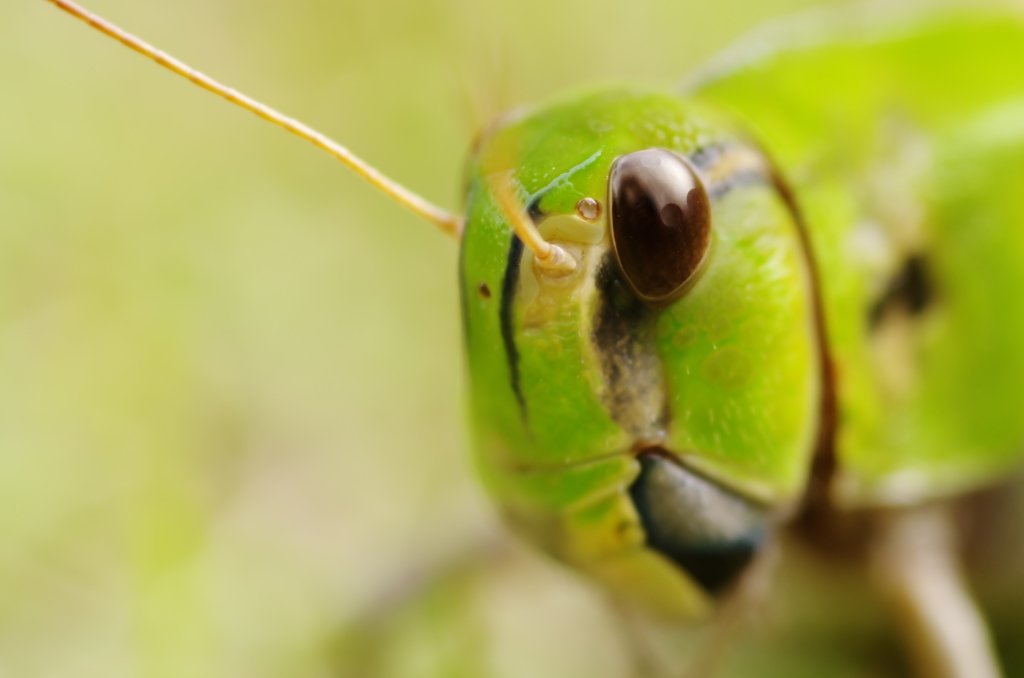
<point x="711" y="533"/>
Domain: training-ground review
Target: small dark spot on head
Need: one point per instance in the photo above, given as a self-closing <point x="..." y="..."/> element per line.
<point x="484" y="290"/>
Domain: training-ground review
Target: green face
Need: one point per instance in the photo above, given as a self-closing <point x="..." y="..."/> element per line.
<point x="647" y="416"/>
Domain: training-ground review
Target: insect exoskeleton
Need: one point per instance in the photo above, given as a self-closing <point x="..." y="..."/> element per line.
<point x="649" y="416"/>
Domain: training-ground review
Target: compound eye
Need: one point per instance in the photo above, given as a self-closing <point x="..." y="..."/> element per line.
<point x="660" y="223"/>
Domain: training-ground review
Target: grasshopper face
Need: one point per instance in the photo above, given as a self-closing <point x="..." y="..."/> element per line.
<point x="645" y="416"/>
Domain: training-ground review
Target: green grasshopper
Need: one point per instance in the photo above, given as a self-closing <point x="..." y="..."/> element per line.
<point x="782" y="298"/>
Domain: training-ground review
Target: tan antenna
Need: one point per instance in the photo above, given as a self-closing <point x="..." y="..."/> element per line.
<point x="546" y="254"/>
<point x="446" y="221"/>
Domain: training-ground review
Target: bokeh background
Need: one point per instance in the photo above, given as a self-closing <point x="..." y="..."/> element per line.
<point x="231" y="392"/>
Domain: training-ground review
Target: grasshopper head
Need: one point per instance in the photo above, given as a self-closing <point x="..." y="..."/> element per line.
<point x="646" y="414"/>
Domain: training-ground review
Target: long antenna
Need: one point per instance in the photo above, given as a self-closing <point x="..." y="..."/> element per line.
<point x="444" y="220"/>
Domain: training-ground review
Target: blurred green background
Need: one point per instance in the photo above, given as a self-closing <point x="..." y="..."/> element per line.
<point x="231" y="417"/>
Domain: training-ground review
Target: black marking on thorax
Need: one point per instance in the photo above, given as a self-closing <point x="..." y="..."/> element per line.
<point x="911" y="291"/>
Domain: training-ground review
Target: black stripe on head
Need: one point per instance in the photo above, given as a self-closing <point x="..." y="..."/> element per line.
<point x="704" y="157"/>
<point x="623" y="339"/>
<point x="748" y="167"/>
<point x="509" y="286"/>
<point x="508" y="293"/>
<point x="738" y="180"/>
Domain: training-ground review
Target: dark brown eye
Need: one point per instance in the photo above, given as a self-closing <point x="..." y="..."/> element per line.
<point x="660" y="222"/>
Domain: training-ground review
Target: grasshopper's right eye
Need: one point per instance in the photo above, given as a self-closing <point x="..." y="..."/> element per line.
<point x="660" y="223"/>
